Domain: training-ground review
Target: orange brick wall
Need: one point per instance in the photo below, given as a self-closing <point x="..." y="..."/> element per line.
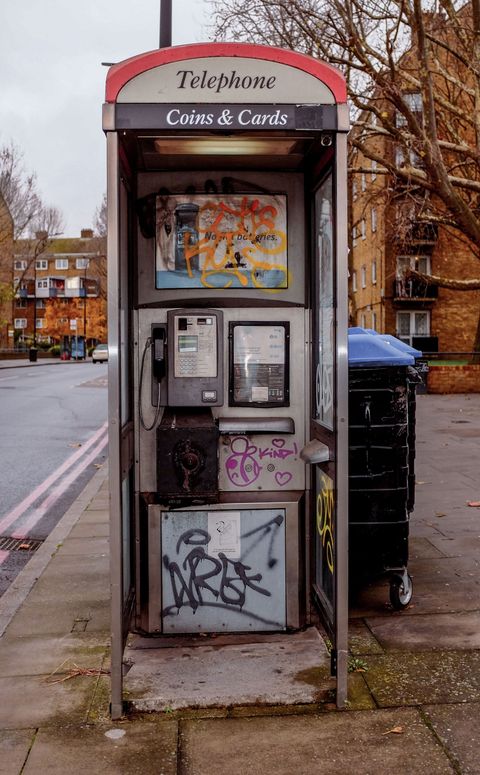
<point x="455" y="313"/>
<point x="454" y="379"/>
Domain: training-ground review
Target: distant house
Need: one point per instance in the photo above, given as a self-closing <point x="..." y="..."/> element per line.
<point x="61" y="279"/>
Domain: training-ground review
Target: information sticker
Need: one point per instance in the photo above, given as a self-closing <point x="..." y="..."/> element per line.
<point x="259" y="359"/>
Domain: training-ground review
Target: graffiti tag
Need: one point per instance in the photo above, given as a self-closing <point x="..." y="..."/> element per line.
<point x="204" y="579"/>
<point x="243" y="466"/>
<point x="325" y="524"/>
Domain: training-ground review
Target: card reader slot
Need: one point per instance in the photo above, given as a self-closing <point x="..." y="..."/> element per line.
<point x="232" y="425"/>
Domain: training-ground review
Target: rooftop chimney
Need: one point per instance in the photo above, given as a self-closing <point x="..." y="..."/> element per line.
<point x="86" y="233"/>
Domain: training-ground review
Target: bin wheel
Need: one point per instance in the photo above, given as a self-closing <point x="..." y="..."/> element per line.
<point x="401" y="591"/>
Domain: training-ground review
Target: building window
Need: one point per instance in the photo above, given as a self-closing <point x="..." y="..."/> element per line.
<point x="406" y="157"/>
<point x="61" y="263"/>
<point x="73" y="283"/>
<point x="39" y="323"/>
<point x="41" y="263"/>
<point x="354" y="236"/>
<point x="363" y="181"/>
<point x="374" y="272"/>
<point x="354" y="190"/>
<point x="21" y="265"/>
<point x="374" y="321"/>
<point x="364" y="276"/>
<point x="411" y="324"/>
<point x="81" y="263"/>
<point x="374" y="219"/>
<point x="413" y="101"/>
<point x="354" y="280"/>
<point x="418" y="263"/>
<point x="20" y="323"/>
<point x="21" y="303"/>
<point x="363" y="226"/>
<point x="374" y="170"/>
<point x="40" y="303"/>
<point x="363" y="320"/>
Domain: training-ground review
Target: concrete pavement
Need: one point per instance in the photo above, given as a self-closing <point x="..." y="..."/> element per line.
<point x="414" y="689"/>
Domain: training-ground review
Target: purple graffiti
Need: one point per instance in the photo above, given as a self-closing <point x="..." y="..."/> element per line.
<point x="283" y="477"/>
<point x="241" y="466"/>
<point x="278" y="450"/>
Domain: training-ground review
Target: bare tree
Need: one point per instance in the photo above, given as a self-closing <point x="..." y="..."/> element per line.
<point x="100" y="218"/>
<point x="19" y="190"/>
<point x="413" y="74"/>
<point x="33" y="222"/>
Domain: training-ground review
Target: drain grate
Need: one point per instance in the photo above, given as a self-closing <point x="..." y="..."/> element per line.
<point x="19" y="544"/>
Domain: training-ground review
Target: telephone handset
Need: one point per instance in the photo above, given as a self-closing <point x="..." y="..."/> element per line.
<point x="159" y="355"/>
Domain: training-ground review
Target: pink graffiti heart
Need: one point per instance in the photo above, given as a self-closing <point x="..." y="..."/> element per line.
<point x="278" y="443"/>
<point x="283" y="477"/>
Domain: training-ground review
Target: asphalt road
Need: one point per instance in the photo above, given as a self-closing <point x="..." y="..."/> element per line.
<point x="52" y="440"/>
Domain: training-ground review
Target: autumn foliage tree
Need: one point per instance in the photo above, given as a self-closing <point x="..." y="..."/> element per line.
<point x="58" y="317"/>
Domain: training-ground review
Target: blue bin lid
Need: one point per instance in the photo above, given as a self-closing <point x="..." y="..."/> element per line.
<point x="403" y="346"/>
<point x="368" y="349"/>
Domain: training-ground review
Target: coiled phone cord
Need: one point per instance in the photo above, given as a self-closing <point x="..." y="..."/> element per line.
<point x="148" y="343"/>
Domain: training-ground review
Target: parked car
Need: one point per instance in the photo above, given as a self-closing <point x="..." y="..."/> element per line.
<point x="100" y="353"/>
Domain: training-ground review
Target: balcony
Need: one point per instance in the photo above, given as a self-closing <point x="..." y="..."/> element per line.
<point x="413" y="289"/>
<point x="418" y="235"/>
<point x="50" y="287"/>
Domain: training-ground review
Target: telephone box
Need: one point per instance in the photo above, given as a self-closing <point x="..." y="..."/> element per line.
<point x="227" y="262"/>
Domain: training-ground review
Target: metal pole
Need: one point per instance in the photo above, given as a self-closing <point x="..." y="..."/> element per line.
<point x="165" y="23"/>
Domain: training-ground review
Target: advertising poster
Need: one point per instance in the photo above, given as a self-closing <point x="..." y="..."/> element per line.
<point x="221" y="241"/>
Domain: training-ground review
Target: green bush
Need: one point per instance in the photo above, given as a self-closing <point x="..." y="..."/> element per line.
<point x="55" y="350"/>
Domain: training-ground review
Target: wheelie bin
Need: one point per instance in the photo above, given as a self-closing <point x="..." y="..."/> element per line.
<point x="382" y="382"/>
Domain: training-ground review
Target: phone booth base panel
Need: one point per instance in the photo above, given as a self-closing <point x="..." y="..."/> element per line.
<point x="225" y="567"/>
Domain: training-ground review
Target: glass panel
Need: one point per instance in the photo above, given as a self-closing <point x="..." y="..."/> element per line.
<point x="422" y="264"/>
<point x="325" y="333"/>
<point x="403" y="263"/>
<point x="421" y="323"/>
<point x="403" y="323"/>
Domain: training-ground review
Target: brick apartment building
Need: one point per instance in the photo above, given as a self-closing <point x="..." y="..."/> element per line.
<point x="431" y="318"/>
<point x="393" y="224"/>
<point x="65" y="273"/>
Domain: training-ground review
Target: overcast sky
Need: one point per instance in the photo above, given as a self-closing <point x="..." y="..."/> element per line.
<point x="52" y="86"/>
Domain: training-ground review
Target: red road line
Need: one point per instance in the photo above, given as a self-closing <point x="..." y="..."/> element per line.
<point x="57" y="493"/>
<point x="27" y="502"/>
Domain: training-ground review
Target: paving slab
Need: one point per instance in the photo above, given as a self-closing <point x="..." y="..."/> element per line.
<point x="128" y="748"/>
<point x="40" y="703"/>
<point x="361" y="639"/>
<point x="430" y="631"/>
<point x="87" y="547"/>
<point x="293" y="669"/>
<point x="419" y="678"/>
<point x="49" y="617"/>
<point x="352" y="743"/>
<point x="459" y="731"/>
<point x="90" y="529"/>
<point x="14" y="747"/>
<point x="36" y="655"/>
